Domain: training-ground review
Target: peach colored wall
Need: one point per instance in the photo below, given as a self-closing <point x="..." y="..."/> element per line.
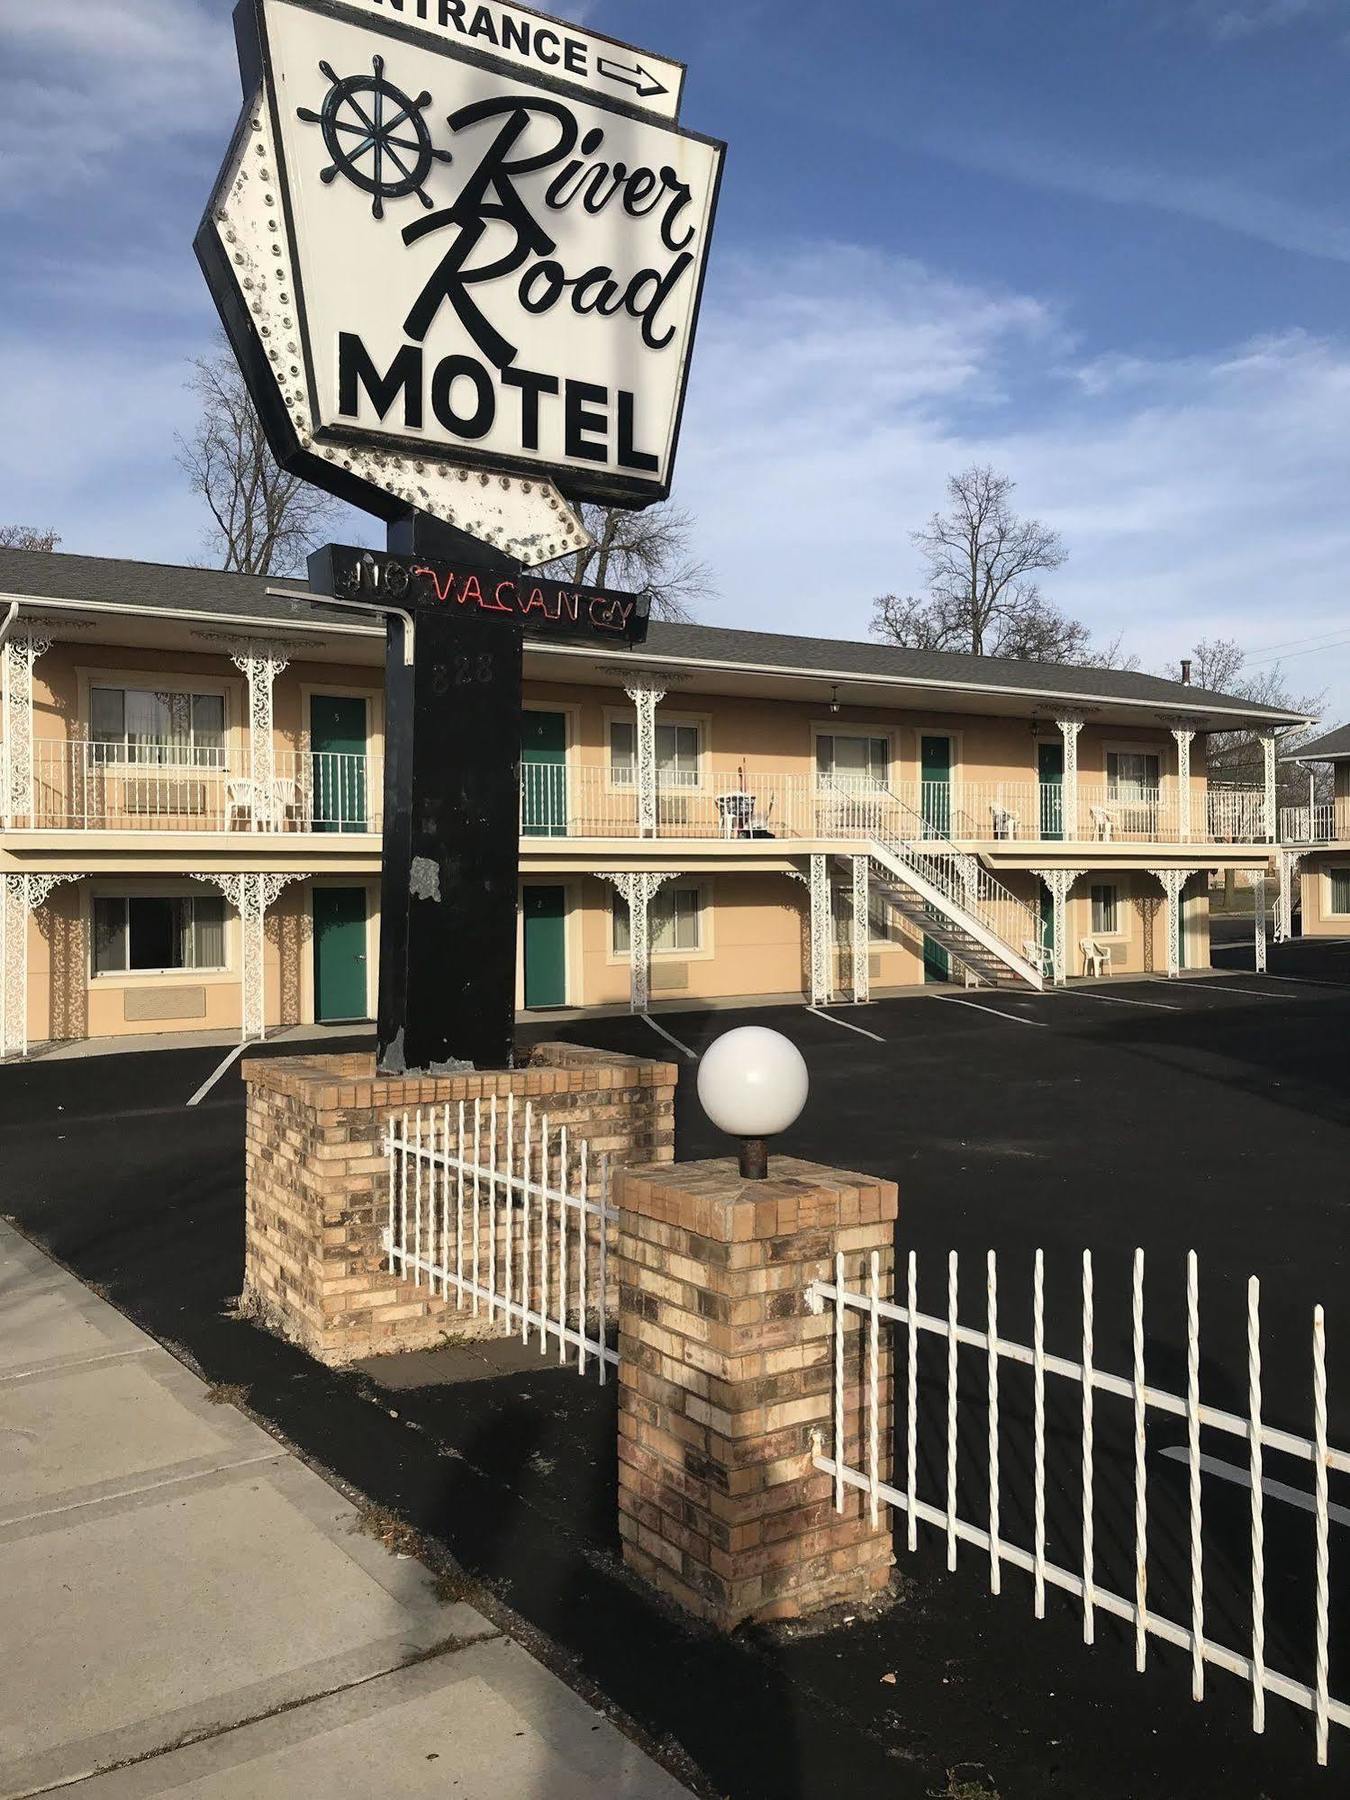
<point x="1314" y="874"/>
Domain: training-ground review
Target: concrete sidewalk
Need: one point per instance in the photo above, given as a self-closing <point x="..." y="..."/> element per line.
<point x="187" y="1605"/>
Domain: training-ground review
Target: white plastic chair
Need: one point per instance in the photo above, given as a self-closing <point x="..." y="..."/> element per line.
<point x="1005" y="822"/>
<point x="1039" y="956"/>
<point x="1096" y="957"/>
<point x="1101" y="824"/>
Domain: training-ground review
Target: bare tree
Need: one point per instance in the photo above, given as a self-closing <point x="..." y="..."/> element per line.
<point x="646" y="553"/>
<point x="1219" y="665"/>
<point x="264" y="521"/>
<point x="28" y="537"/>
<point x="982" y="597"/>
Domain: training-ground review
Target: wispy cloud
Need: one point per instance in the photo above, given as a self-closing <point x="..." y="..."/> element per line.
<point x="835" y="390"/>
<point x="1227" y="21"/>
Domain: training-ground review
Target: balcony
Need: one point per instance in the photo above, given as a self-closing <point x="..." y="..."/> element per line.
<point x="80" y="785"/>
<point x="1327" y="822"/>
<point x="557" y="801"/>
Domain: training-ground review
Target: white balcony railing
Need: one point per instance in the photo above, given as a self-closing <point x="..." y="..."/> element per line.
<point x="80" y="785"/>
<point x="84" y="786"/>
<point x="1326" y="822"/>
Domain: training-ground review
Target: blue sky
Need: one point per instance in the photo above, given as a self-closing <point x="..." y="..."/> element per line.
<point x="1105" y="246"/>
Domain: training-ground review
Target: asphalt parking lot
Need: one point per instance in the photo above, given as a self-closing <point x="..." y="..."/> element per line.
<point x="1211" y="1113"/>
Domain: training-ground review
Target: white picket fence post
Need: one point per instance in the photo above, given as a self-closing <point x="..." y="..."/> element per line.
<point x="1084" y="1584"/>
<point x="537" y="1256"/>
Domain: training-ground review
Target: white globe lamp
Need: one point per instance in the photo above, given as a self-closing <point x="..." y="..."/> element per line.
<point x="752" y="1083"/>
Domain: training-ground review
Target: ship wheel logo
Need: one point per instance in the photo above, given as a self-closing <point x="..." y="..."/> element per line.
<point x="375" y="135"/>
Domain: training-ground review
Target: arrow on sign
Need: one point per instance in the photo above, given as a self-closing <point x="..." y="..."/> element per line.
<point x="637" y="77"/>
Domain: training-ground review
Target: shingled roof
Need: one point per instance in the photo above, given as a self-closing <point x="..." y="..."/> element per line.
<point x="1332" y="746"/>
<point x="115" y="581"/>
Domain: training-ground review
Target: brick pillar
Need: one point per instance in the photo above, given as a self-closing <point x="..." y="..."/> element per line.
<point x="724" y="1372"/>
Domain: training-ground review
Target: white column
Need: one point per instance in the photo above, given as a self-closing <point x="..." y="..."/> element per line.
<point x="1069" y="730"/>
<point x="1173" y="880"/>
<point x="21" y="650"/>
<point x="1286" y="862"/>
<point x="20" y="895"/>
<point x="860" y="923"/>
<point x="1257" y="878"/>
<point x="261" y="663"/>
<point x="645" y="696"/>
<point x="1059" y="881"/>
<point x="1268" y="767"/>
<point x="822" y="935"/>
<point x="1184" y="737"/>
<point x="251" y="893"/>
<point x="638" y="887"/>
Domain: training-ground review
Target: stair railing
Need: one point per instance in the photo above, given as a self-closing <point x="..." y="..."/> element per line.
<point x="921" y="844"/>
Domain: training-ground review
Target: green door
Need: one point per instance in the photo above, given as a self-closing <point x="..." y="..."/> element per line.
<point x="545" y="911"/>
<point x="1050" y="770"/>
<point x="543" y="776"/>
<point x="937" y="964"/>
<point x="340" y="954"/>
<point x="935" y="758"/>
<point x="337" y="742"/>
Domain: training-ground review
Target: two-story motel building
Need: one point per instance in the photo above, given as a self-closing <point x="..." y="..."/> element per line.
<point x="192" y="790"/>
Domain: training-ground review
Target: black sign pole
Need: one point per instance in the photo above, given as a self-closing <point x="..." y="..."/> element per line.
<point x="451" y="827"/>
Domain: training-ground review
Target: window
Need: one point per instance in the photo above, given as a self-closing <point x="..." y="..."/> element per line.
<point x="1133" y="774"/>
<point x="853" y="761"/>
<point x="151" y="931"/>
<point x="1340" y="890"/>
<point x="1105" y="911"/>
<point x="674" y="921"/>
<point x="678" y="748"/>
<point x="138" y="725"/>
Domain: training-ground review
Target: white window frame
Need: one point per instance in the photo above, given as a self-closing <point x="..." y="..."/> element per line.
<point x="830" y="728"/>
<point x="1156" y="751"/>
<point x="162" y="681"/>
<point x="699" y="722"/>
<point x="1118" y="933"/>
<point x="702" y="914"/>
<point x="133" y="890"/>
<point x="1332" y="869"/>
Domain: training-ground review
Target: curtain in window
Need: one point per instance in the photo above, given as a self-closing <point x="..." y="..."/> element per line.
<point x="1340" y="890"/>
<point x="1104" y="910"/>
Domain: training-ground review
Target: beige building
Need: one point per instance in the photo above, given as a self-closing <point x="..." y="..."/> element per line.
<point x="192" y="794"/>
<point x="1315" y="842"/>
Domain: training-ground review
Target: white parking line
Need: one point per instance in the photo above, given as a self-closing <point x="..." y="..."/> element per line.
<point x="1118" y="999"/>
<point x="215" y="1076"/>
<point x="1012" y="1018"/>
<point x="669" y="1036"/>
<point x="1220" y="988"/>
<point x="846" y="1025"/>
<point x="1240" y="1477"/>
<point x="1303" y="981"/>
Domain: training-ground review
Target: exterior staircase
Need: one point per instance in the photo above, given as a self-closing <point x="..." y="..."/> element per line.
<point x="946" y="894"/>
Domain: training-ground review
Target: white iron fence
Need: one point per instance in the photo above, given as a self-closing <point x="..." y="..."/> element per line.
<point x="493" y="1208"/>
<point x="861" y="1415"/>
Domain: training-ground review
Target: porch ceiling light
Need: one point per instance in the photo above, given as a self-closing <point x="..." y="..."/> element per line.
<point x="752" y="1083"/>
<point x="834" y="699"/>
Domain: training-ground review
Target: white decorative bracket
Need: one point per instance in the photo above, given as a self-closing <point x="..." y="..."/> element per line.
<point x="251" y="893"/>
<point x="1070" y="727"/>
<point x="17" y="656"/>
<point x="637" y="886"/>
<point x="1173" y="881"/>
<point x="822" y="945"/>
<point x="1184" y="736"/>
<point x="1287" y="862"/>
<point x="646" y="693"/>
<point x="1058" y="882"/>
<point x="861" y="924"/>
<point x="20" y="895"/>
<point x="1268" y="772"/>
<point x="1257" y="878"/>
